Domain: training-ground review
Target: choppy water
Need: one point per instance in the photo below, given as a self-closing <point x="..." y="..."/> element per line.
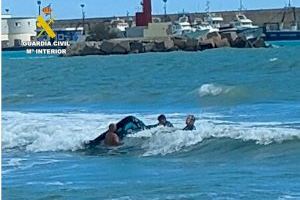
<point x="246" y="146"/>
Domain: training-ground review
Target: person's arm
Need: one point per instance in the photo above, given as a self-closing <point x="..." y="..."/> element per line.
<point x="116" y="140"/>
<point x="170" y="124"/>
<point x="189" y="128"/>
<point x="152" y="126"/>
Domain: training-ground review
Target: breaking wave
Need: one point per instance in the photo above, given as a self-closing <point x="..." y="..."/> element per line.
<point x="39" y="132"/>
<point x="218" y="94"/>
<point x="214" y="90"/>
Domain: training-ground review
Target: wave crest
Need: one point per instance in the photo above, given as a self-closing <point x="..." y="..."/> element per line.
<point x="38" y="132"/>
<point x="168" y="141"/>
<point x="214" y="90"/>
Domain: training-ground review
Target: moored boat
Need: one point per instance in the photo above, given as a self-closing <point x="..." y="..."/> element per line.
<point x="279" y="31"/>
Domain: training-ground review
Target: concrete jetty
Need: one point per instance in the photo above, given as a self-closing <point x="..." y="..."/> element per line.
<point x="164" y="44"/>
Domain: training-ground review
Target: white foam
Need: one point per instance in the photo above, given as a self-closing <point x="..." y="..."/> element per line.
<point x="166" y="142"/>
<point x="273" y="59"/>
<point x="22" y="164"/>
<point x="51" y="132"/>
<point x="37" y="132"/>
<point x="13" y="162"/>
<point x="213" y="90"/>
<point x="54" y="183"/>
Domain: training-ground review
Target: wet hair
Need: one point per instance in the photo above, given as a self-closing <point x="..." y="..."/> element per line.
<point x="161" y="117"/>
<point x="111" y="126"/>
<point x="192" y="117"/>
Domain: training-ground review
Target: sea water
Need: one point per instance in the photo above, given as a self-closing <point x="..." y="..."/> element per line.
<point x="246" y="146"/>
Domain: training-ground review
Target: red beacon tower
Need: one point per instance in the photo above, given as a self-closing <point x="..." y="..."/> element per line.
<point x="145" y="17"/>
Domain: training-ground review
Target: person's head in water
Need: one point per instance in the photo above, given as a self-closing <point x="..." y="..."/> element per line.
<point x="162" y="120"/>
<point x="190" y="120"/>
<point x="112" y="127"/>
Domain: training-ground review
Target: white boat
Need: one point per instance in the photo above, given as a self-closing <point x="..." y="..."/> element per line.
<point x="183" y="27"/>
<point x="281" y="31"/>
<point x="119" y="24"/>
<point x="156" y="20"/>
<point x="245" y="26"/>
<point x="214" y="20"/>
<point x="211" y="21"/>
<point x="241" y="22"/>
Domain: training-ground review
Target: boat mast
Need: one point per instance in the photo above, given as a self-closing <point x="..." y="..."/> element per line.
<point x="207" y="9"/>
<point x="165" y="8"/>
<point x="241" y="8"/>
<point x="295" y="22"/>
<point x="295" y="25"/>
<point x="286" y="10"/>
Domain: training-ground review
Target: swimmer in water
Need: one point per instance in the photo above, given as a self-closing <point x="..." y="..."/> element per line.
<point x="162" y="121"/>
<point x="111" y="138"/>
<point x="190" y="121"/>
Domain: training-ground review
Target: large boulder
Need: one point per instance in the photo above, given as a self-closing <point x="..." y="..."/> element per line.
<point x="191" y="44"/>
<point x="214" y="36"/>
<point x="149" y="46"/>
<point x="180" y="42"/>
<point x="163" y="45"/>
<point x="121" y="47"/>
<point x="240" y="42"/>
<point x="115" y="46"/>
<point x="159" y="46"/>
<point x="169" y="45"/>
<point x="74" y="49"/>
<point x="230" y="36"/>
<point x="259" y="43"/>
<point x="222" y="43"/>
<point x="92" y="48"/>
<point x="217" y="39"/>
<point x="84" y="48"/>
<point x="137" y="47"/>
<point x="107" y="46"/>
<point x="206" y="44"/>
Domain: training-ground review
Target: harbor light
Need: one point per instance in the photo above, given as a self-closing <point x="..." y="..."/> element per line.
<point x="83" y="18"/>
<point x="39" y="4"/>
<point x="165" y="7"/>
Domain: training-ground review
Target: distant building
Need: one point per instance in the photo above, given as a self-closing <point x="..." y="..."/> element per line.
<point x="16" y="30"/>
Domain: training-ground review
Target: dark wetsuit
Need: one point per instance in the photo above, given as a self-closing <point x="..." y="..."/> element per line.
<point x="189" y="128"/>
<point x="126" y="126"/>
<point x="168" y="124"/>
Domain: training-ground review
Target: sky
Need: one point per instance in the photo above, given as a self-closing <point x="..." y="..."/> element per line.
<point x="70" y="9"/>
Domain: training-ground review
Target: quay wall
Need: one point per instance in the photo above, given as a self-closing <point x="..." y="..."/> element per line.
<point x="259" y="17"/>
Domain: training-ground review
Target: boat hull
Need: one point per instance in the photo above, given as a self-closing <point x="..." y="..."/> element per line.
<point x="282" y="35"/>
<point x="197" y="34"/>
<point x="251" y="33"/>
